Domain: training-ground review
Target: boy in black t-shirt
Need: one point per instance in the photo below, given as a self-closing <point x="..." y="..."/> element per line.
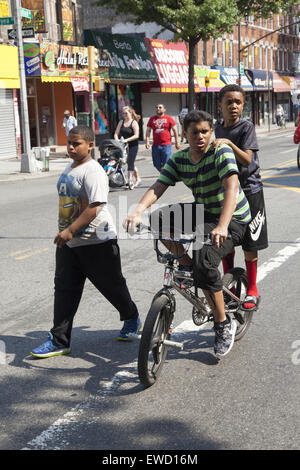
<point x="240" y="135"/>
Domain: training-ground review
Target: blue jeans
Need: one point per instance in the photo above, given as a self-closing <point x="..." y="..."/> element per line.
<point x="160" y="155"/>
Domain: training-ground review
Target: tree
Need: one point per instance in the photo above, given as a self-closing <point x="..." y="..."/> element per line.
<point x="194" y="20"/>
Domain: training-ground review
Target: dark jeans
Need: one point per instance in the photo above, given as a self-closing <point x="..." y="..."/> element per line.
<point x="100" y="264"/>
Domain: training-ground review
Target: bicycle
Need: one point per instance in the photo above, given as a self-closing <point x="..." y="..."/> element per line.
<point x="156" y="335"/>
<point x="298" y="156"/>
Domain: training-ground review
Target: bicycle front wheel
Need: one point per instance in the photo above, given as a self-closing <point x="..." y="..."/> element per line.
<point x="152" y="351"/>
<point x="236" y="280"/>
<point x="298" y="157"/>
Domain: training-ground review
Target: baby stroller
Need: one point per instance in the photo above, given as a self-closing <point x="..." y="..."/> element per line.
<point x="113" y="157"/>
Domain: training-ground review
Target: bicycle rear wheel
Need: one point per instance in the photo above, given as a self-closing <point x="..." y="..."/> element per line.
<point x="152" y="351"/>
<point x="236" y="279"/>
<point x="298" y="157"/>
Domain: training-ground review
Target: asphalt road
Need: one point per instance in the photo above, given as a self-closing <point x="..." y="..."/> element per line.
<point x="92" y="398"/>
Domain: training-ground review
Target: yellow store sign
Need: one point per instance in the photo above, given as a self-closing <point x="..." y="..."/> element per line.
<point x="9" y="67"/>
<point x="4" y="9"/>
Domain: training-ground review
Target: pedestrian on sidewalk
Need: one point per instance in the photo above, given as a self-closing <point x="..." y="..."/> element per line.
<point x="162" y="125"/>
<point x="181" y="117"/>
<point x="69" y="122"/>
<point x="279" y="115"/>
<point x="86" y="247"/>
<point x="128" y="131"/>
<point x="240" y="135"/>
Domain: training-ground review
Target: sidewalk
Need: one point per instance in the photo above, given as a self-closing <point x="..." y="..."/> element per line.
<point x="10" y="169"/>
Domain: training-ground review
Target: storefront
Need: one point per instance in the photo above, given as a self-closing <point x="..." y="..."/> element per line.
<point x="62" y="83"/>
<point x="230" y="76"/>
<point x="294" y="93"/>
<point x="9" y="115"/>
<point x="209" y="84"/>
<point x="262" y="103"/>
<point x="171" y="88"/>
<point x="129" y="66"/>
<point x="282" y="95"/>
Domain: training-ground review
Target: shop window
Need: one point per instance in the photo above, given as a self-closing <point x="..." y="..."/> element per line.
<point x="101" y="114"/>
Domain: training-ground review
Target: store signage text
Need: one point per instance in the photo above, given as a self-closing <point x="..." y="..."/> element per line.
<point x="66" y="58"/>
<point x="176" y="70"/>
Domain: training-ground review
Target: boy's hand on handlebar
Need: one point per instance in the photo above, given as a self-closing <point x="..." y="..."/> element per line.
<point x="131" y="222"/>
<point x="218" y="235"/>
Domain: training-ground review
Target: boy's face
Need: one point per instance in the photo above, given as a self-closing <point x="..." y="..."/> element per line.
<point x="231" y="106"/>
<point x="198" y="135"/>
<point x="78" y="148"/>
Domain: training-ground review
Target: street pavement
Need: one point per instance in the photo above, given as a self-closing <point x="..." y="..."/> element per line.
<point x="92" y="398"/>
<point x="10" y="169"/>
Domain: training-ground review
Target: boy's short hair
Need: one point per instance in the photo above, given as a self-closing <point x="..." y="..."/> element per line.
<point x="85" y="132"/>
<point x="197" y="116"/>
<point x="228" y="88"/>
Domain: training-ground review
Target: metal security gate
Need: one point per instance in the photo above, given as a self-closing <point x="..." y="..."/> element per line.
<point x="8" y="147"/>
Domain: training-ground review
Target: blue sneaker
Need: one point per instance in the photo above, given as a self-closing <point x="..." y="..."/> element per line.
<point x="130" y="327"/>
<point x="48" y="349"/>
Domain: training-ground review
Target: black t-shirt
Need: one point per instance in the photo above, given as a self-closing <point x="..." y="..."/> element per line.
<point x="126" y="132"/>
<point x="243" y="135"/>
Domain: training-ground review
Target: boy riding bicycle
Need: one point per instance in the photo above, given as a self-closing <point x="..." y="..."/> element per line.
<point x="212" y="175"/>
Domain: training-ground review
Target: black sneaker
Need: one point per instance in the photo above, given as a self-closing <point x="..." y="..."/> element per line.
<point x="224" y="338"/>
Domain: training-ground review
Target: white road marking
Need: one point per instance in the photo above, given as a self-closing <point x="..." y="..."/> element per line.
<point x="55" y="436"/>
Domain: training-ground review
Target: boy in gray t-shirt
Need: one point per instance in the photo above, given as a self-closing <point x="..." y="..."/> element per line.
<point x="240" y="135"/>
<point x="86" y="247"/>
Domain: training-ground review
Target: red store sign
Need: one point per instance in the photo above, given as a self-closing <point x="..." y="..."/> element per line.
<point x="172" y="66"/>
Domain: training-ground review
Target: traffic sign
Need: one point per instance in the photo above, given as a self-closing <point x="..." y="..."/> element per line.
<point x="7" y="20"/>
<point x="25" y="13"/>
<point x="26" y="33"/>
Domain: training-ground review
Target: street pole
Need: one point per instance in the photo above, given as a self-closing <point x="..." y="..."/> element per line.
<point x="28" y="164"/>
<point x="91" y="69"/>
<point x="239" y="51"/>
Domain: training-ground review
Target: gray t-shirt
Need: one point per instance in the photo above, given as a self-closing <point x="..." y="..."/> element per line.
<point x="243" y="135"/>
<point x="77" y="188"/>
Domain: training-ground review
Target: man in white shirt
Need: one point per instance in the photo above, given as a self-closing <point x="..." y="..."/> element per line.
<point x="69" y="122"/>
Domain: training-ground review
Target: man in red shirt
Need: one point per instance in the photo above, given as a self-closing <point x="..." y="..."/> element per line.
<point x="161" y="124"/>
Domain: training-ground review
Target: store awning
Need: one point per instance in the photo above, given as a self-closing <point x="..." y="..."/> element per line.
<point x="230" y="76"/>
<point x="9" y="67"/>
<point x="46" y="79"/>
<point x="280" y="85"/>
<point x="9" y="83"/>
<point x="172" y="66"/>
<point x="128" y="57"/>
<point x="214" y="82"/>
<point x="291" y="81"/>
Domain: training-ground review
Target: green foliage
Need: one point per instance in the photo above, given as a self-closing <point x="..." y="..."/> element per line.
<point x="189" y="20"/>
<point x="260" y="8"/>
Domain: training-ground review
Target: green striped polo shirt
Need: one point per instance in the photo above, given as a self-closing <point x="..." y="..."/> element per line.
<point x="205" y="179"/>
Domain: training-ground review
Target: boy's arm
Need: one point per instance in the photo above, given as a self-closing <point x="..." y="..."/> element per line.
<point x="244" y="157"/>
<point x="85" y="218"/>
<point x="149" y="198"/>
<point x="231" y="187"/>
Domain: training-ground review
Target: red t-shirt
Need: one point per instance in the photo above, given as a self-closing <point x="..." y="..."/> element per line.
<point x="161" y="126"/>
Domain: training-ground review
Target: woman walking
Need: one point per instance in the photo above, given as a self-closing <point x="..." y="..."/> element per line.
<point x="128" y="128"/>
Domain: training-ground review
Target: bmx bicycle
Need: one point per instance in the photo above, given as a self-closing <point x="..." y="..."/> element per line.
<point x="155" y="339"/>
